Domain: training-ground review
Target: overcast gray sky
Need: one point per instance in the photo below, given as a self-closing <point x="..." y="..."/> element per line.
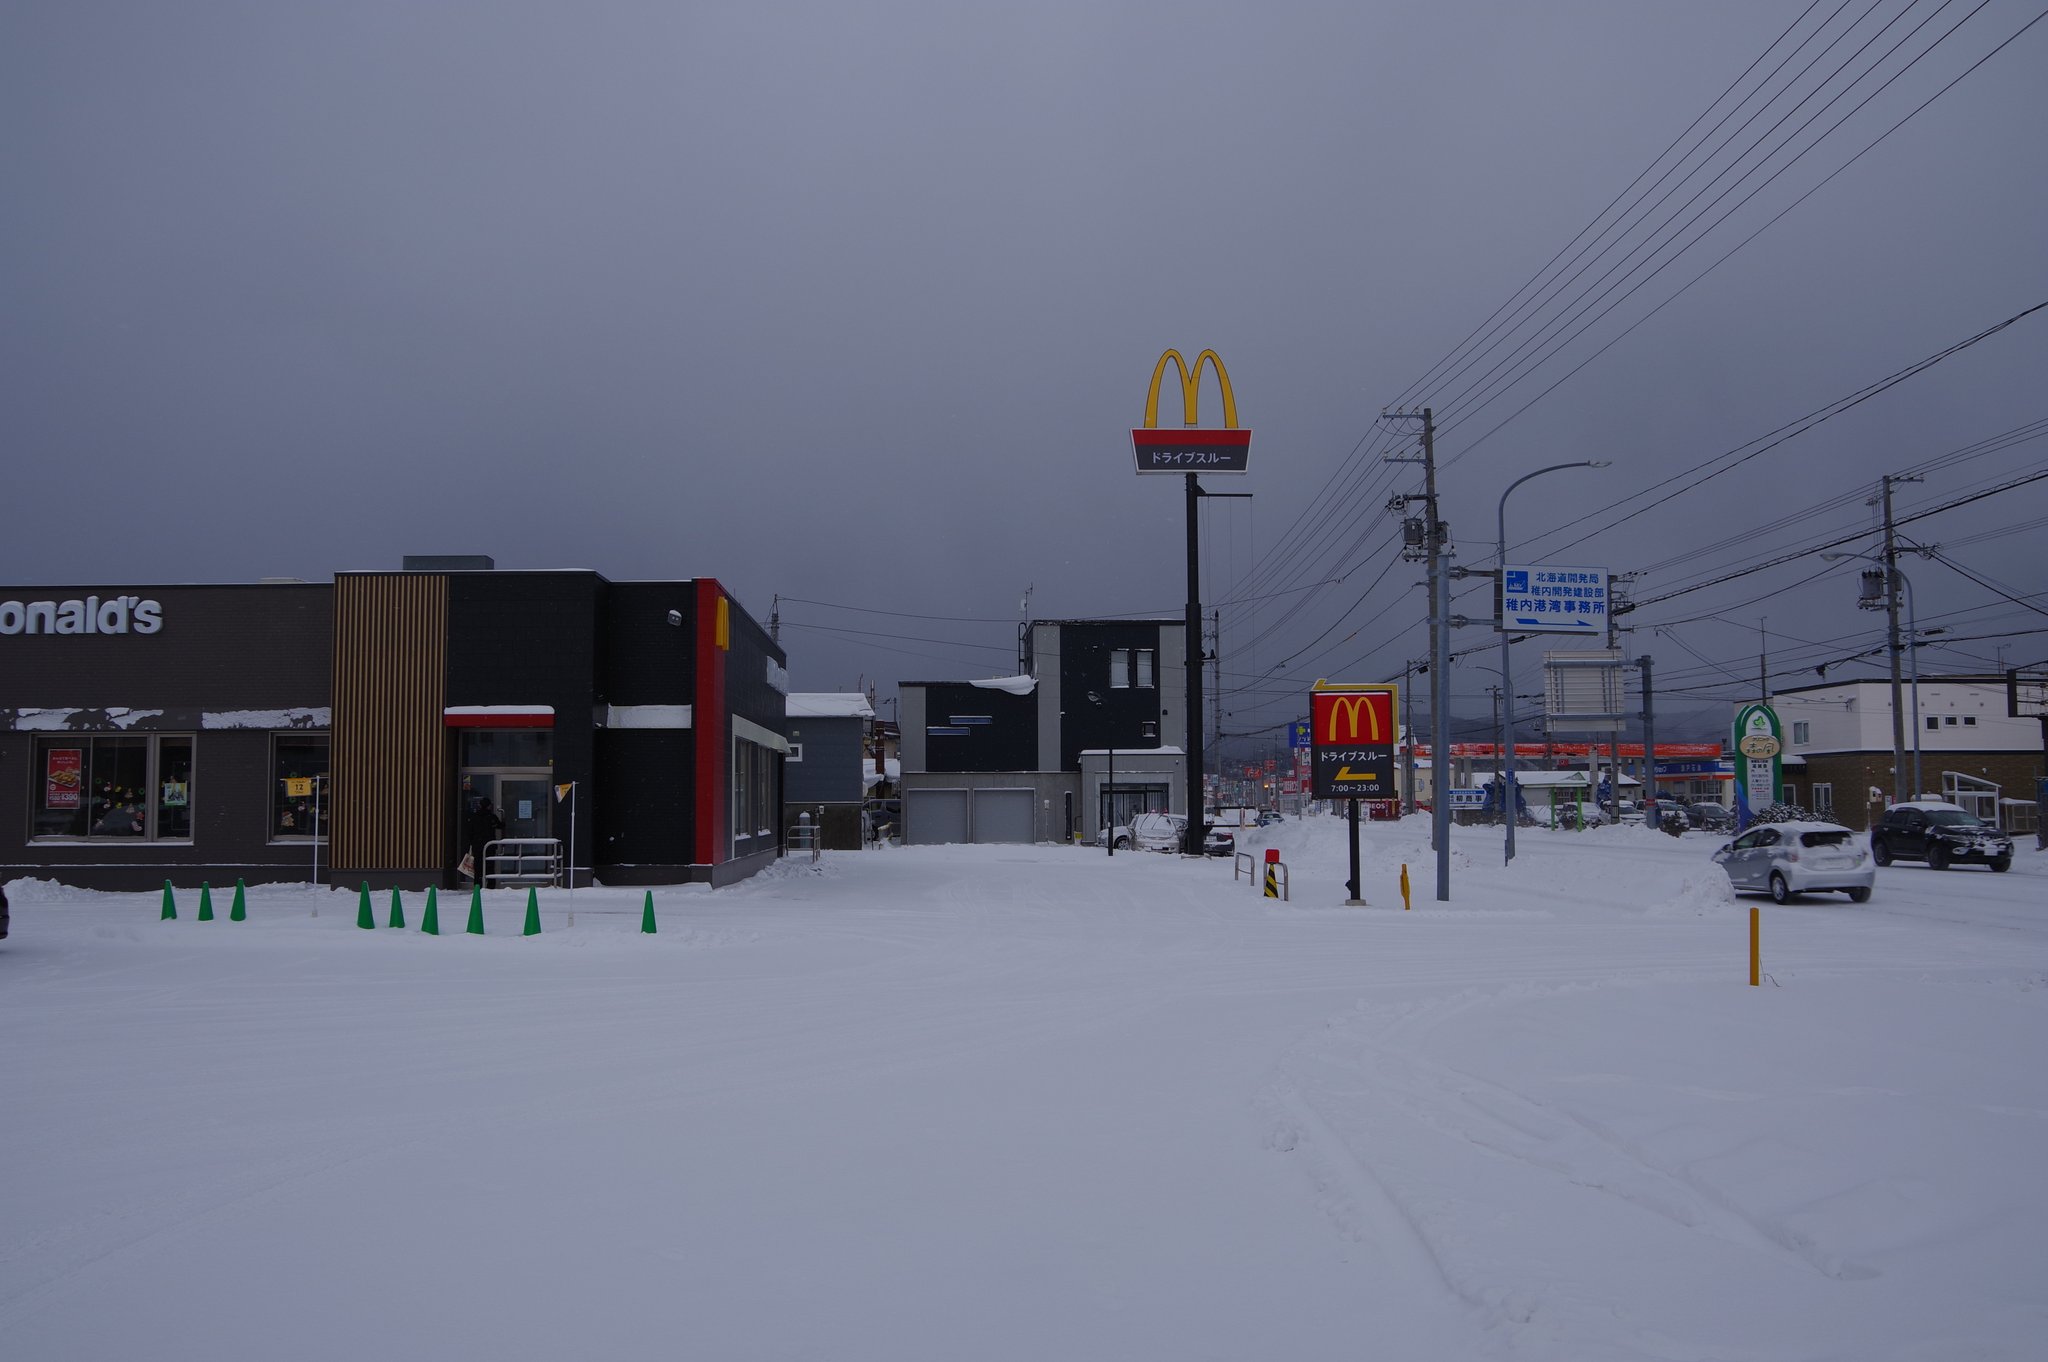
<point x="856" y="304"/>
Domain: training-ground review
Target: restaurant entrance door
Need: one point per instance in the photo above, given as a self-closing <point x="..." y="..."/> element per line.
<point x="525" y="799"/>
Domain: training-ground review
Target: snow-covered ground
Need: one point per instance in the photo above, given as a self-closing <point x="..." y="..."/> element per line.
<point x="1040" y="1103"/>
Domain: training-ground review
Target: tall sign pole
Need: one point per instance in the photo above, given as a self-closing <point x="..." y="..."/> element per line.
<point x="1189" y="451"/>
<point x="1193" y="837"/>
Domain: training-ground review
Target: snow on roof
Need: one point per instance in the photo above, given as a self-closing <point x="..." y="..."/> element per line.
<point x="1016" y="685"/>
<point x="1134" y="752"/>
<point x="829" y="705"/>
<point x="1927" y="804"/>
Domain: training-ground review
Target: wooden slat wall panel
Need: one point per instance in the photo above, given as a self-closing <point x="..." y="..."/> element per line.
<point x="390" y="748"/>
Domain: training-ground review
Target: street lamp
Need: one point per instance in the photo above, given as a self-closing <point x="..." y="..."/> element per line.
<point x="1912" y="659"/>
<point x="1510" y="805"/>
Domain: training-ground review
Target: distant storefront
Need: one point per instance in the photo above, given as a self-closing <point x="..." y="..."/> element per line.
<point x="255" y="731"/>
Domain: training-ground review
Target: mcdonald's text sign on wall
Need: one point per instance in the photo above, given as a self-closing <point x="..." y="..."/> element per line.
<point x="1192" y="448"/>
<point x="1351" y="733"/>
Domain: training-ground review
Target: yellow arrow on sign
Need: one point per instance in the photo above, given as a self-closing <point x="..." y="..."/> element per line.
<point x="1346" y="773"/>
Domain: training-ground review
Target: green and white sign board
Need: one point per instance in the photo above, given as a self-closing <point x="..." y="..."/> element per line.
<point x="1759" y="756"/>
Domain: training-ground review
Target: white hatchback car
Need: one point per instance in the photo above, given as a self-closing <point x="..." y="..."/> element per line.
<point x="1151" y="832"/>
<point x="1786" y="859"/>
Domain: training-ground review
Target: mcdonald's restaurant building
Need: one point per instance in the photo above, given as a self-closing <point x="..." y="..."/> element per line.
<point x="280" y="731"/>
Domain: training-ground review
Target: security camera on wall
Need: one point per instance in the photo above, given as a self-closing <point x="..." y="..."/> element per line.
<point x="675" y="617"/>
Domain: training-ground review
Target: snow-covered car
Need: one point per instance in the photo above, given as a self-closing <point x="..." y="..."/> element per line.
<point x="1939" y="833"/>
<point x="1149" y="832"/>
<point x="1787" y="859"/>
<point x="1218" y="840"/>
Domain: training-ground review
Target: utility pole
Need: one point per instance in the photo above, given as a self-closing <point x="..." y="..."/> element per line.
<point x="1651" y="818"/>
<point x="1435" y="549"/>
<point x="774" y="620"/>
<point x="1500" y="776"/>
<point x="1408" y="734"/>
<point x="1891" y="619"/>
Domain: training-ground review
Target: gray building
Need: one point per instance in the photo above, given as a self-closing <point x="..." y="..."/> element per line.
<point x="827" y="771"/>
<point x="1025" y="758"/>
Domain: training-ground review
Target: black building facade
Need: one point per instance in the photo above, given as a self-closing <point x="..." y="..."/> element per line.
<point x="1029" y="757"/>
<point x="253" y="731"/>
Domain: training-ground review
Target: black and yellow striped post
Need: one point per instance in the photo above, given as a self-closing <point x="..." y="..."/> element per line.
<point x="1272" y="872"/>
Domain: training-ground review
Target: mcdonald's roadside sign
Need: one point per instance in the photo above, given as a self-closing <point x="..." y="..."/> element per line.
<point x="1351" y="742"/>
<point x="1192" y="448"/>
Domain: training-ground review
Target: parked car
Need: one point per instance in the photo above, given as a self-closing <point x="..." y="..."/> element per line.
<point x="1709" y="816"/>
<point x="1149" y="832"/>
<point x="1787" y="859"/>
<point x="1220" y="840"/>
<point x="1939" y="833"/>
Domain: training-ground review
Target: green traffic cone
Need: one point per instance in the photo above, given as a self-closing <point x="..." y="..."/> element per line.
<point x="476" y="911"/>
<point x="170" y="913"/>
<point x="366" y="918"/>
<point x="397" y="908"/>
<point x="647" y="915"/>
<point x="430" y="921"/>
<point x="532" y="912"/>
<point x="239" y="912"/>
<point x="205" y="901"/>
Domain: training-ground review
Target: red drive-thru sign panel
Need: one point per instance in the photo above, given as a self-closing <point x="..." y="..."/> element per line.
<point x="1351" y="742"/>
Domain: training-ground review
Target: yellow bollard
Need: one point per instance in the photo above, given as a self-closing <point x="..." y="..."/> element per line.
<point x="1404" y="887"/>
<point x="1756" y="948"/>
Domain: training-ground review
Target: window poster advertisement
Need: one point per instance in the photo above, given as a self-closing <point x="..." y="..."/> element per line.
<point x="63" y="773"/>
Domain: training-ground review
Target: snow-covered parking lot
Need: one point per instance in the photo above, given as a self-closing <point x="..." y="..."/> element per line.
<point x="1040" y="1103"/>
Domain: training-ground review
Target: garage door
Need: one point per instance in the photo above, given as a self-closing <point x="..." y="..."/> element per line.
<point x="1003" y="816"/>
<point x="933" y="817"/>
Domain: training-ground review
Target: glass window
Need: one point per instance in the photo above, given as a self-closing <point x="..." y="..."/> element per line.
<point x="120" y="788"/>
<point x="298" y="786"/>
<point x="1120" y="668"/>
<point x="1800" y="729"/>
<point x="125" y="788"/>
<point x="1144" y="678"/>
<point x="1933" y="721"/>
<point x="60" y="803"/>
<point x="173" y="788"/>
<point x="530" y="748"/>
<point x="1823" y="798"/>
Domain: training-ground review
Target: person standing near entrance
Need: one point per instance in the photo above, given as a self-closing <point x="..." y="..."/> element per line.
<point x="485" y="827"/>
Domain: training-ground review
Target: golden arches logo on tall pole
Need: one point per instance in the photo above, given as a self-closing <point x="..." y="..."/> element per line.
<point x="1190" y="389"/>
<point x="1193" y="448"/>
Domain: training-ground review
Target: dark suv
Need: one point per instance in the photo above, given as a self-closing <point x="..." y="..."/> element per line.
<point x="1939" y="834"/>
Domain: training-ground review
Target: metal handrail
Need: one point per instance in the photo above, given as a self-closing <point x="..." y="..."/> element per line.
<point x="511" y="861"/>
<point x="1244" y="864"/>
